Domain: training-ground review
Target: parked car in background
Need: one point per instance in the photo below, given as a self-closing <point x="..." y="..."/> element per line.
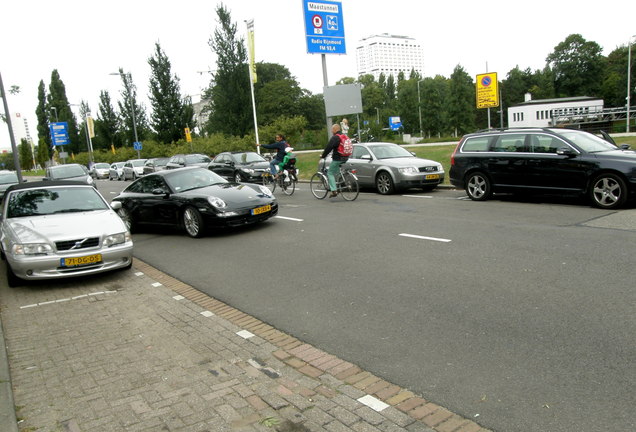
<point x="193" y="199"/>
<point x="388" y="167"/>
<point x="544" y="160"/>
<point x="155" y="164"/>
<point x="57" y="229"/>
<point x="116" y="171"/>
<point x="74" y="172"/>
<point x="100" y="170"/>
<point x="7" y="178"/>
<point x="239" y="166"/>
<point x="186" y="160"/>
<point x="133" y="168"/>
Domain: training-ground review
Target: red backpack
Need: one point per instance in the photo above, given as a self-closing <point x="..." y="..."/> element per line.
<point x="345" y="148"/>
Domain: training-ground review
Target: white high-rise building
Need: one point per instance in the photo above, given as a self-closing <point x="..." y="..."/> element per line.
<point x="389" y="54"/>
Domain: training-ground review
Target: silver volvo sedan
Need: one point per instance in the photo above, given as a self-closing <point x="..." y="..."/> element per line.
<point x="56" y="229"/>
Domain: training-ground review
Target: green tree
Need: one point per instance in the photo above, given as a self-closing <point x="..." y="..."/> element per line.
<point x="614" y="86"/>
<point x="434" y="110"/>
<point x="229" y="95"/>
<point x="25" y="154"/>
<point x="57" y="99"/>
<point x="43" y="155"/>
<point x="42" y="115"/>
<point x="461" y="106"/>
<point x="106" y="125"/>
<point x="133" y="115"/>
<point x="407" y="105"/>
<point x="577" y="65"/>
<point x="168" y="116"/>
<point x="277" y="93"/>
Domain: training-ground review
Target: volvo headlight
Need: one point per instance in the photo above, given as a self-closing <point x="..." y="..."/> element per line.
<point x="116" y="239"/>
<point x="31" y="249"/>
<point x="217" y="202"/>
<point x="408" y="170"/>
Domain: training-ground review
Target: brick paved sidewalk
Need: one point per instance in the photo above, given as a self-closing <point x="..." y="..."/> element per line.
<point x="141" y="351"/>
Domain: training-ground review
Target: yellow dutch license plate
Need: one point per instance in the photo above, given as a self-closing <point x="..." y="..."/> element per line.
<point x="263" y="209"/>
<point x="81" y="261"/>
<point x="432" y="176"/>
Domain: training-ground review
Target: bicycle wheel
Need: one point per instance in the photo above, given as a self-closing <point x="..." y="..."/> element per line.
<point x="349" y="188"/>
<point x="287" y="185"/>
<point x="318" y="186"/>
<point x="269" y="182"/>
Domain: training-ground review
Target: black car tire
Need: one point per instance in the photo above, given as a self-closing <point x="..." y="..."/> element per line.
<point x="478" y="187"/>
<point x="126" y="217"/>
<point x="134" y="176"/>
<point x="193" y="222"/>
<point x="608" y="191"/>
<point x="237" y="177"/>
<point x="384" y="183"/>
<point x="12" y="279"/>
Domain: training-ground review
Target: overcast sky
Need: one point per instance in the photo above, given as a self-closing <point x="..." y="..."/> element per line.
<point x="85" y="41"/>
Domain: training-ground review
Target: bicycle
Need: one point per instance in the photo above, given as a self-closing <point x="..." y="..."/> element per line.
<point x="346" y="183"/>
<point x="286" y="181"/>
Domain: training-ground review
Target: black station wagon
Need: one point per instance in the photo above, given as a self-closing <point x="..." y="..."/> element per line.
<point x="544" y="160"/>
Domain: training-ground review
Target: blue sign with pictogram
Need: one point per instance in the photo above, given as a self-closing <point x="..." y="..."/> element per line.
<point x="324" y="27"/>
<point x="59" y="134"/>
<point x="137" y="145"/>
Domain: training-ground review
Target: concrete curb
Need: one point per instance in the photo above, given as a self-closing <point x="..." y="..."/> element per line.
<point x="8" y="420"/>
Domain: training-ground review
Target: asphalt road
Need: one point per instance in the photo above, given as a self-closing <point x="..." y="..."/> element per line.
<point x="519" y="314"/>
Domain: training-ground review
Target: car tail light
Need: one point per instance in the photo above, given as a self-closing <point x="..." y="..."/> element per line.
<point x="453" y="155"/>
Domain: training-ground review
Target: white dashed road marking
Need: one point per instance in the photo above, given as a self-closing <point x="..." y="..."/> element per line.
<point x="426" y="238"/>
<point x="288" y="218"/>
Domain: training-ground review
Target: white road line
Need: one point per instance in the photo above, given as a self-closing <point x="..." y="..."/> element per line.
<point x="62" y="300"/>
<point x="425" y="238"/>
<point x="288" y="218"/>
<point x="418" y="196"/>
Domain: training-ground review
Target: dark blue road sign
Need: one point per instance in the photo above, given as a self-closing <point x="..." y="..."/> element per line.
<point x="59" y="133"/>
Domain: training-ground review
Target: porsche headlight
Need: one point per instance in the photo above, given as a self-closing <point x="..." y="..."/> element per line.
<point x="116" y="239"/>
<point x="217" y="202"/>
<point x="408" y="170"/>
<point x="265" y="191"/>
<point x="31" y="249"/>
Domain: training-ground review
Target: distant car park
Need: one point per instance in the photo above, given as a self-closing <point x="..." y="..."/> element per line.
<point x="155" y="164"/>
<point x="7" y="178"/>
<point x="72" y="231"/>
<point x="74" y="172"/>
<point x="100" y="170"/>
<point x="239" y="166"/>
<point x="133" y="169"/>
<point x="116" y="171"/>
<point x="187" y="160"/>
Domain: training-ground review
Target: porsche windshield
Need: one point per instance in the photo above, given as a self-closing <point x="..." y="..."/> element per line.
<point x="184" y="180"/>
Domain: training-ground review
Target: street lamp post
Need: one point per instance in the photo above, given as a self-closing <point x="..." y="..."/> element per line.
<point x="55" y="109"/>
<point x="419" y="107"/>
<point x="132" y="106"/>
<point x="629" y="76"/>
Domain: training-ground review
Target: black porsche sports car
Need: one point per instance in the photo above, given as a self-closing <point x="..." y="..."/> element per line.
<point x="194" y="199"/>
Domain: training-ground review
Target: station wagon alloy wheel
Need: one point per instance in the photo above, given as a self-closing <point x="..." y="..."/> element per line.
<point x="478" y="187"/>
<point x="608" y="191"/>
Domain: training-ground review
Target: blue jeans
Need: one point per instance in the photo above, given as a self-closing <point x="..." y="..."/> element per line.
<point x="334" y="168"/>
<point x="273" y="166"/>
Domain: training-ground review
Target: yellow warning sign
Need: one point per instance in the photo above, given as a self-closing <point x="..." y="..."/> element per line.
<point x="487" y="90"/>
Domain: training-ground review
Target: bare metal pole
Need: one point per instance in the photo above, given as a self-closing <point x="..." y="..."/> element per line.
<point x="326" y="84"/>
<point x="14" y="148"/>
